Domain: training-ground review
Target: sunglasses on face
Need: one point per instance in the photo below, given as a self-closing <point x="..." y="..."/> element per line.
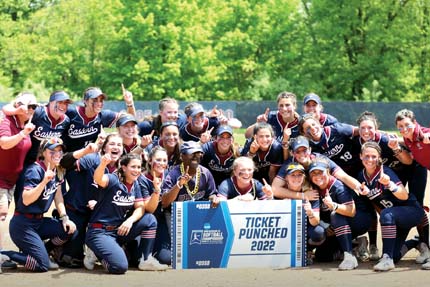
<point x="29" y="107"/>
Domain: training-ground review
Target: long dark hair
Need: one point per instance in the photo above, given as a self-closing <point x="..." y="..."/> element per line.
<point x="124" y="161"/>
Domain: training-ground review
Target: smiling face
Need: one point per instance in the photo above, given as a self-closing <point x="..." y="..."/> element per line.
<point x="367" y="130"/>
<point x="128" y="130"/>
<point x="264" y="138"/>
<point x="243" y="170"/>
<point x="319" y="177"/>
<point x="170" y="136"/>
<point x="158" y="162"/>
<point x="192" y="160"/>
<point x="313" y="107"/>
<point x="224" y="142"/>
<point x="53" y="157"/>
<point x="197" y="122"/>
<point x="132" y="170"/>
<point x="58" y="108"/>
<point x="370" y="158"/>
<point x="169" y="113"/>
<point x="94" y="106"/>
<point x="406" y="127"/>
<point x="286" y="108"/>
<point x="312" y="129"/>
<point x="114" y="147"/>
<point x="295" y="180"/>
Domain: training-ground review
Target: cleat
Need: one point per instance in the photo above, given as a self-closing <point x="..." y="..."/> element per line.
<point x="385" y="264"/>
<point x="349" y="262"/>
<point x="90" y="259"/>
<point x="424" y="253"/>
<point x="152" y="264"/>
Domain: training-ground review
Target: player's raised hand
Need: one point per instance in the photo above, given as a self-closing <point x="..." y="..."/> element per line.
<point x="29" y="127"/>
<point x="214" y="113"/>
<point x="384" y="179"/>
<point x="206" y="136"/>
<point x="156" y="181"/>
<point x="91" y="148"/>
<point x="362" y="189"/>
<point x="49" y="173"/>
<point x="184" y="178"/>
<point x="267" y="189"/>
<point x="222" y="119"/>
<point x="145" y="140"/>
<point x="101" y="136"/>
<point x="263" y="117"/>
<point x="286" y="133"/>
<point x="393" y="141"/>
<point x="254" y="146"/>
<point x="127" y="95"/>
<point x="328" y="201"/>
<point x="311" y="194"/>
<point x="308" y="208"/>
<point x="106" y="159"/>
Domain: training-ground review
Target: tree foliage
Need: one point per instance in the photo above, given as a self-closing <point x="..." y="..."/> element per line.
<point x="359" y="50"/>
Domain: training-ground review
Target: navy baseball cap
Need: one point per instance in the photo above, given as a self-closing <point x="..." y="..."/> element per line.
<point x="318" y="165"/>
<point x="312" y="97"/>
<point x="92" y="93"/>
<point x="190" y="147"/>
<point x="125" y="119"/>
<point x="59" y="96"/>
<point x="52" y="143"/>
<point x="292" y="167"/>
<point x="224" y="129"/>
<point x="197" y="109"/>
<point x="300" y="141"/>
<point x="168" y="124"/>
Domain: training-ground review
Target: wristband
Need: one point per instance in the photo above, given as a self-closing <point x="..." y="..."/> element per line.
<point x="64" y="217"/>
<point x="392" y="187"/>
<point x="178" y="185"/>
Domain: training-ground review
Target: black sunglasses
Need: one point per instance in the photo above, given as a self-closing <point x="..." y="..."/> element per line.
<point x="32" y="106"/>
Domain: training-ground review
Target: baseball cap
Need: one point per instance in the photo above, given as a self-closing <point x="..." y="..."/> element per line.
<point x="190" y="147"/>
<point x="224" y="129"/>
<point x="312" y="97"/>
<point x="52" y="143"/>
<point x="59" y="96"/>
<point x="195" y="110"/>
<point x="318" y="165"/>
<point x="299" y="141"/>
<point x="26" y="98"/>
<point x="292" y="167"/>
<point x="92" y="93"/>
<point x="125" y="119"/>
<point x="167" y="124"/>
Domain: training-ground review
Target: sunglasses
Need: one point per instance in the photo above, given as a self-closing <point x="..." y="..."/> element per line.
<point x="30" y="106"/>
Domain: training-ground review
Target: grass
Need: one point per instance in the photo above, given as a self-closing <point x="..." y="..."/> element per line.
<point x="239" y="136"/>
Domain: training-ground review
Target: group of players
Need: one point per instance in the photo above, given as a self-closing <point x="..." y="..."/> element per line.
<point x="113" y="192"/>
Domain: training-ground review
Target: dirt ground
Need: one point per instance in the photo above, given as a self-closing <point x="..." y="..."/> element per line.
<point x="405" y="274"/>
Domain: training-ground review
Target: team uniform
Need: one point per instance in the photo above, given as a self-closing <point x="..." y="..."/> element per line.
<point x="46" y="127"/>
<point x="162" y="245"/>
<point x="327" y="120"/>
<point x="173" y="159"/>
<point x="12" y="160"/>
<point x="265" y="159"/>
<point x="396" y="216"/>
<point x="220" y="165"/>
<point x="83" y="130"/>
<point x="333" y="167"/>
<point x="186" y="134"/>
<point x="275" y="120"/>
<point x="28" y="228"/>
<point x="228" y="189"/>
<point x="336" y="144"/>
<point x="115" y="203"/>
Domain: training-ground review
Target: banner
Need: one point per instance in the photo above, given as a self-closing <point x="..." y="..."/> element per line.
<point x="238" y="234"/>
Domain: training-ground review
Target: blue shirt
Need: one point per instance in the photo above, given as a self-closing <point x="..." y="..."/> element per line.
<point x="229" y="189"/>
<point x="275" y="120"/>
<point x="219" y="165"/>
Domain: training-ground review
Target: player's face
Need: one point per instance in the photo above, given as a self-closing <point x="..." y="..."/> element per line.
<point x="159" y="162"/>
<point x="295" y="180"/>
<point x="370" y="159"/>
<point x="95" y="105"/>
<point x="286" y="108"/>
<point x="243" y="173"/>
<point x="319" y="177"/>
<point x="312" y="107"/>
<point x="367" y="130"/>
<point x="192" y="160"/>
<point x="114" y="147"/>
<point x="132" y="170"/>
<point x="58" y="108"/>
<point x="170" y="136"/>
<point x="128" y="130"/>
<point x="169" y="113"/>
<point x="406" y="127"/>
<point x="224" y="142"/>
<point x="264" y="138"/>
<point x="302" y="155"/>
<point x="313" y="129"/>
<point x="198" y="121"/>
<point x="26" y="111"/>
<point x="53" y="156"/>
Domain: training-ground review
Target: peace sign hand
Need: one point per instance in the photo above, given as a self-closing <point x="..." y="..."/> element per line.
<point x="267" y="189"/>
<point x="384" y="179"/>
<point x="206" y="136"/>
<point x="263" y="117"/>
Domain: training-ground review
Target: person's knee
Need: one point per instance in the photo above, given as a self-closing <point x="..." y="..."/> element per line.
<point x="164" y="256"/>
<point x="118" y="268"/>
<point x="318" y="234"/>
<point x="387" y="218"/>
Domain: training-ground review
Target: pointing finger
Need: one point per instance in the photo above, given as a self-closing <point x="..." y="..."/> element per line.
<point x="49" y="166"/>
<point x="210" y="131"/>
<point x="266" y="113"/>
<point x="186" y="171"/>
<point x="122" y="88"/>
<point x="264" y="181"/>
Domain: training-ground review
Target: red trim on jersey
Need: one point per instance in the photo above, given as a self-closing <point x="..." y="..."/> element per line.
<point x="222" y="157"/>
<point x="81" y="113"/>
<point x="241" y="191"/>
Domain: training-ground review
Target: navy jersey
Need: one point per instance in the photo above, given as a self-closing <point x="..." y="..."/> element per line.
<point x="336" y="144"/>
<point x="264" y="159"/>
<point x="46" y="127"/>
<point x="206" y="185"/>
<point x="147" y="126"/>
<point x="381" y="196"/>
<point x="327" y="120"/>
<point x="146" y="185"/>
<point x="220" y="166"/>
<point x="338" y="192"/>
<point x="186" y="134"/>
<point x="172" y="160"/>
<point x="81" y="182"/>
<point x="32" y="176"/>
<point x="115" y="202"/>
<point x="275" y="120"/>
<point x="333" y="167"/>
<point x="228" y="189"/>
<point x="83" y="130"/>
